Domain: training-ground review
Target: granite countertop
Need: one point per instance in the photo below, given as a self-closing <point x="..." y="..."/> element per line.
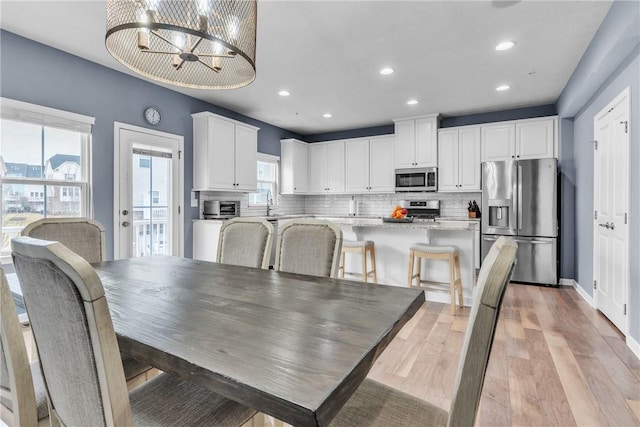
<point x="442" y="223"/>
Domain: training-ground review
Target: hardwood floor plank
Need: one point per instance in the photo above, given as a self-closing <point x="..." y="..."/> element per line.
<point x="583" y="404"/>
<point x="525" y="406"/>
<point x="625" y="354"/>
<point x="549" y="391"/>
<point x="635" y="407"/>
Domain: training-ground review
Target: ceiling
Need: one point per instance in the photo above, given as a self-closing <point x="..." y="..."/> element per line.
<point x="328" y="54"/>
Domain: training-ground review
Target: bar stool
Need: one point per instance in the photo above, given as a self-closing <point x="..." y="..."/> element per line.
<point x="363" y="247"/>
<point x="448" y="253"/>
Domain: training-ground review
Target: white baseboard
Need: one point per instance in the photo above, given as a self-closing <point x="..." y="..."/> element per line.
<point x="585" y="296"/>
<point x="567" y="282"/>
<point x="633" y="345"/>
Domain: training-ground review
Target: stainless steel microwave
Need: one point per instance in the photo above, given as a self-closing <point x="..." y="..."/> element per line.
<point x="217" y="209"/>
<point x="417" y="179"/>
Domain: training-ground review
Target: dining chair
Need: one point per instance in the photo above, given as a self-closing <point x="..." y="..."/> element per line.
<point x="79" y="354"/>
<point x="374" y="404"/>
<point x="246" y="242"/>
<point x="23" y="400"/>
<point x="85" y="237"/>
<point x="309" y="247"/>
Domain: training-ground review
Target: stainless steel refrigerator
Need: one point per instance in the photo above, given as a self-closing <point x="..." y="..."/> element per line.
<point x="520" y="199"/>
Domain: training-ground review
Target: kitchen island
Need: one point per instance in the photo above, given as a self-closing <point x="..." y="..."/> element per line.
<point x="393" y="240"/>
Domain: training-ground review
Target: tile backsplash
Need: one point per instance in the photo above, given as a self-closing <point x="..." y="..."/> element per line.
<point x="451" y="204"/>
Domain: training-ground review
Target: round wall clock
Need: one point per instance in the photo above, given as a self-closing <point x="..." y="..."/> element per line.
<point x="152" y="115"/>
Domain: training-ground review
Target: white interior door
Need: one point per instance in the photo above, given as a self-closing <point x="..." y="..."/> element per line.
<point x="149" y="193"/>
<point x="611" y="201"/>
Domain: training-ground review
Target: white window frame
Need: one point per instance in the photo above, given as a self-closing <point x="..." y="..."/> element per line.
<point x="19" y="111"/>
<point x="268" y="158"/>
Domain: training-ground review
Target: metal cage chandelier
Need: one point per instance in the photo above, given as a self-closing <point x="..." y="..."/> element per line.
<point x="200" y="44"/>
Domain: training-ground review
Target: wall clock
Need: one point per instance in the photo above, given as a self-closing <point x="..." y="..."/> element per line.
<point x="152" y="115"/>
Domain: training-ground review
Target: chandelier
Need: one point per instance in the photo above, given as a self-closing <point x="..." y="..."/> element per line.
<point x="200" y="44"/>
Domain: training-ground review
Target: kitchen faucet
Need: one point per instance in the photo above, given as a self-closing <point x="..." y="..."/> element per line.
<point x="269" y="202"/>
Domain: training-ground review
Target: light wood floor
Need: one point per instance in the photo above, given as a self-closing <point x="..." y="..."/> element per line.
<point x="555" y="362"/>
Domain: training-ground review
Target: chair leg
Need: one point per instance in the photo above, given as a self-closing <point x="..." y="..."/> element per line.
<point x="364" y="265"/>
<point x="372" y="254"/>
<point x="452" y="284"/>
<point x="341" y="265"/>
<point x="459" y="281"/>
<point x="410" y="280"/>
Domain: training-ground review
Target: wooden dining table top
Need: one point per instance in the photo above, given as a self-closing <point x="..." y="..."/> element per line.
<point x="292" y="346"/>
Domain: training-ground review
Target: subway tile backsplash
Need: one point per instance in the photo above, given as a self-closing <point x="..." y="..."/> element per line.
<point x="451" y="204"/>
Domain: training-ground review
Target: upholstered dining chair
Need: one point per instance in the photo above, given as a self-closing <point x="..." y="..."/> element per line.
<point x="246" y="242"/>
<point x="79" y="354"/>
<point x="309" y="247"/>
<point x="374" y="404"/>
<point x="85" y="237"/>
<point x="23" y="399"/>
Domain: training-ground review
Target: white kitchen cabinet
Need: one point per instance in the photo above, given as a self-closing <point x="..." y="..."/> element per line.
<point x="416" y="142"/>
<point x="326" y="167"/>
<point x="293" y="166"/>
<point x="369" y="165"/>
<point x="206" y="234"/>
<point x="459" y="159"/>
<point x="520" y="139"/>
<point x="224" y="154"/>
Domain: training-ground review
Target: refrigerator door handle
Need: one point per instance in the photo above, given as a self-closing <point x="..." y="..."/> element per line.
<point x="533" y="242"/>
<point x="515" y="214"/>
<point x="489" y="239"/>
<point x="520" y="213"/>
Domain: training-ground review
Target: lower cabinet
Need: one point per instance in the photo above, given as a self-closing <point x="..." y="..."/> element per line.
<point x="206" y="234"/>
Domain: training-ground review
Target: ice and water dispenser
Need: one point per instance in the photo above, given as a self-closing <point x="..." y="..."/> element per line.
<point x="499" y="213"/>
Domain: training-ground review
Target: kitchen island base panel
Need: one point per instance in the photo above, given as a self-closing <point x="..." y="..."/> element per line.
<point x="392" y="256"/>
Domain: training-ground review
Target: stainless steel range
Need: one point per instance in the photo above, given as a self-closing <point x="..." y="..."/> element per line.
<point x="423" y="209"/>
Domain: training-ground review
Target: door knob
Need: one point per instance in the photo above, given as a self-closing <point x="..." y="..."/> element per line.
<point x="125" y="212"/>
<point x="604" y="225"/>
<point x="125" y="223"/>
<point x="612" y="226"/>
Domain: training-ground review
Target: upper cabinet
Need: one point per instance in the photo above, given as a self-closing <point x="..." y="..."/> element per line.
<point x="293" y="166"/>
<point x="520" y="139"/>
<point x="459" y="159"/>
<point x="416" y="142"/>
<point x="326" y="167"/>
<point x="369" y="165"/>
<point x="224" y="154"/>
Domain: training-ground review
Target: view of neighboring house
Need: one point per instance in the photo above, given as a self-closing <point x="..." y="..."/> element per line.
<point x="59" y="200"/>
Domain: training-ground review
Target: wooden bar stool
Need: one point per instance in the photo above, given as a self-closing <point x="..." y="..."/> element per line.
<point x="448" y="253"/>
<point x="363" y="247"/>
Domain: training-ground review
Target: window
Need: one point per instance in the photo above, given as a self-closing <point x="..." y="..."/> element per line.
<point x="155" y="197"/>
<point x="267" y="181"/>
<point x="144" y="162"/>
<point x="44" y="166"/>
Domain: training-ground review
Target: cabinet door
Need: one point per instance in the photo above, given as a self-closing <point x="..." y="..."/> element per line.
<point x="335" y="167"/>
<point x="382" y="178"/>
<point x="357" y="166"/>
<point x="469" y="164"/>
<point x="300" y="168"/>
<point x="535" y="139"/>
<point x="405" y="144"/>
<point x="205" y="239"/>
<point x="426" y="142"/>
<point x="200" y="153"/>
<point x="246" y="158"/>
<point x="221" y="164"/>
<point x="498" y="142"/>
<point x="448" y="160"/>
<point x="317" y="168"/>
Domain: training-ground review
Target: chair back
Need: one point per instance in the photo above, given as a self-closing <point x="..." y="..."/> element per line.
<point x="495" y="274"/>
<point x="72" y="328"/>
<point x="83" y="236"/>
<point x="17" y="396"/>
<point x="309" y="247"/>
<point x="246" y="242"/>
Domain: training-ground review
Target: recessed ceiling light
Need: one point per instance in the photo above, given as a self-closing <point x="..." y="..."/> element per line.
<point x="502" y="88"/>
<point x="327" y="115"/>
<point x="505" y="45"/>
<point x="412" y="102"/>
<point x="386" y="71"/>
<point x="283" y="93"/>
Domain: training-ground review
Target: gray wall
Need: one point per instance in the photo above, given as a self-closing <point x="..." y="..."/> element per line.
<point x="610" y="64"/>
<point x="35" y="73"/>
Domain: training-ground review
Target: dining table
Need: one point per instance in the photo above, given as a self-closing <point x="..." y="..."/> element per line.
<point x="292" y="346"/>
